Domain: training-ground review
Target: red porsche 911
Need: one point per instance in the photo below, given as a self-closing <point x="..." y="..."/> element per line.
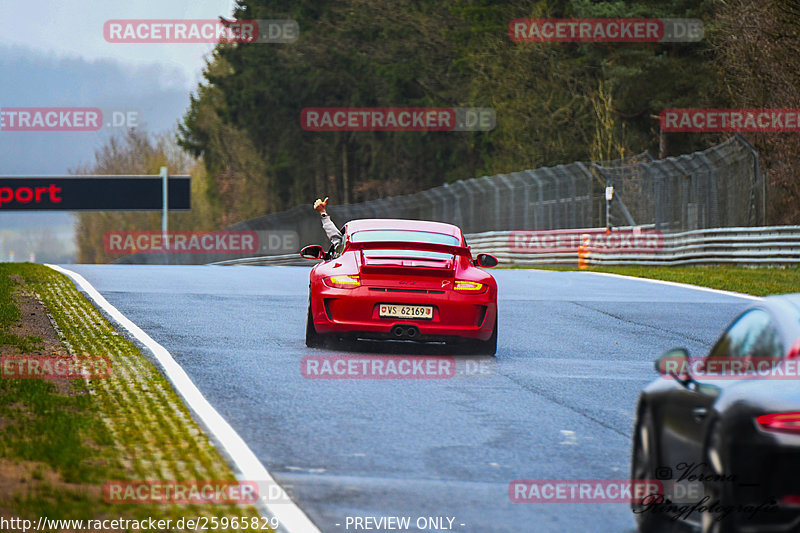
<point x="402" y="280"/>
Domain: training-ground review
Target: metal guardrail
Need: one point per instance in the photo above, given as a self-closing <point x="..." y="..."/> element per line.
<point x="745" y="246"/>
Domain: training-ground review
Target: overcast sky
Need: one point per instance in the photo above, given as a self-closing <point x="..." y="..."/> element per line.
<point x="74" y="28"/>
<point x="56" y="54"/>
<point x="53" y="53"/>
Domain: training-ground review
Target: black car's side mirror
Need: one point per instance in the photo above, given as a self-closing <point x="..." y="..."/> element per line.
<point x="675" y="363"/>
<point x="312" y="251"/>
<point x="486" y="260"/>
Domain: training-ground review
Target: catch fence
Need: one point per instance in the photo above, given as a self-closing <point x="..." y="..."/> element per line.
<point x="718" y="187"/>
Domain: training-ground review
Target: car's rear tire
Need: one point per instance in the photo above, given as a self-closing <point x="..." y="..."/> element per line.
<point x="643" y="468"/>
<point x="487" y="347"/>
<point x="714" y="520"/>
<point x="313" y="339"/>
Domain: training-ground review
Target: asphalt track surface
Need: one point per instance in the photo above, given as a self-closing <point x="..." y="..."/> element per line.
<point x="557" y="402"/>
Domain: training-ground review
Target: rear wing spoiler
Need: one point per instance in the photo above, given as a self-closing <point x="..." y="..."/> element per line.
<point x="404" y="245"/>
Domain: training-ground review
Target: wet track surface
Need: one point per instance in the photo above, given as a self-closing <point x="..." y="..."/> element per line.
<point x="557" y="402"/>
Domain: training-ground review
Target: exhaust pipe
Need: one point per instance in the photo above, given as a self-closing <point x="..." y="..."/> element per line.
<point x="403" y="332"/>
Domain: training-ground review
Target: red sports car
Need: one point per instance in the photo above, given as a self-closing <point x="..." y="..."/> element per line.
<point x="402" y="280"/>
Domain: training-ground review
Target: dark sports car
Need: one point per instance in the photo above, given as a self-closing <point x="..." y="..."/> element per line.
<point x="403" y="280"/>
<point x="721" y="433"/>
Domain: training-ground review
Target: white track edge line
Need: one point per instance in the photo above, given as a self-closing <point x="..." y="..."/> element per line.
<point x="291" y="518"/>
<point x="678" y="284"/>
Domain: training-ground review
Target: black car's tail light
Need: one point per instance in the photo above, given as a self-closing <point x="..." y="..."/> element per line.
<point x="780" y="422"/>
<point x="792" y="500"/>
<point x="794" y="351"/>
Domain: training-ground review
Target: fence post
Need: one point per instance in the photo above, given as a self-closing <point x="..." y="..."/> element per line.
<point x="165" y="206"/>
<point x="756" y="170"/>
<point x="537" y="214"/>
<point x="511" y="203"/>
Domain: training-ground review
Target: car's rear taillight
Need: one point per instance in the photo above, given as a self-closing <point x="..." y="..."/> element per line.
<point x="468" y="286"/>
<point x="792" y="500"/>
<point x="343" y="282"/>
<point x="794" y="351"/>
<point x="781" y="422"/>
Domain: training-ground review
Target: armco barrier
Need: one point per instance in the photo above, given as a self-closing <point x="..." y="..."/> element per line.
<point x="745" y="246"/>
<point x="773" y="245"/>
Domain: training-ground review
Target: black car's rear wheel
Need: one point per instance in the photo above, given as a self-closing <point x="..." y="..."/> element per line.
<point x="643" y="468"/>
<point x="714" y="520"/>
<point x="313" y="339"/>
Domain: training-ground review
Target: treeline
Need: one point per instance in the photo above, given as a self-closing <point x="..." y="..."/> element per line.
<point x="554" y="103"/>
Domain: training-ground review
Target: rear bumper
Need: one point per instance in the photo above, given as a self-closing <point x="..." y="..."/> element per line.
<point x="765" y="468"/>
<point x="354" y="312"/>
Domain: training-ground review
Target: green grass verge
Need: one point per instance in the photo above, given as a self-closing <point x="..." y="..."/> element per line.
<point x="64" y="443"/>
<point x="757" y="281"/>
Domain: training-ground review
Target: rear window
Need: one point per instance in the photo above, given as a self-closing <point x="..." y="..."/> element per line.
<point x="395" y="235"/>
<point x="408" y="254"/>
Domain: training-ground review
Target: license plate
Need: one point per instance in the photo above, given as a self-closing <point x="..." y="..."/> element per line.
<point x="420" y="312"/>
